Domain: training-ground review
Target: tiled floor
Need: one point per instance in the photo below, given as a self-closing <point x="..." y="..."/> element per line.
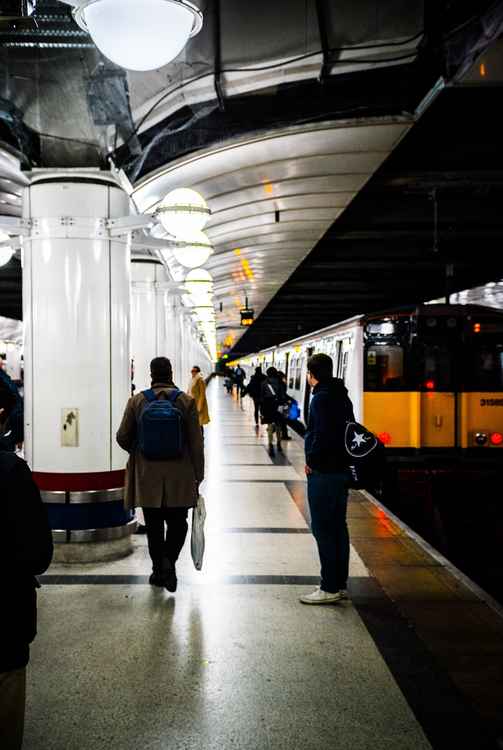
<point x="233" y="660"/>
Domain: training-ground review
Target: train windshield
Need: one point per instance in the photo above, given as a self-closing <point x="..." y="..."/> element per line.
<point x="486" y="366"/>
<point x="435" y="366"/>
<point x="384" y="367"/>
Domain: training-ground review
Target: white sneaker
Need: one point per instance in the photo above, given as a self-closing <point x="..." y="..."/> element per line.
<point x="318" y="596"/>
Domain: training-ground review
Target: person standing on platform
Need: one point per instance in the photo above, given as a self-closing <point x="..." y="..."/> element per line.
<point x="327" y="478"/>
<point x="197" y="389"/>
<point x="239" y="379"/>
<point x="254" y="390"/>
<point x="288" y="400"/>
<point x="160" y="430"/>
<point x="273" y="395"/>
<point x="26" y="551"/>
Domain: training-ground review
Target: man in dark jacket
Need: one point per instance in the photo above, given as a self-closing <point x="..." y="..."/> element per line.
<point x="254" y="389"/>
<point x="273" y="395"/>
<point x="26" y="551"/>
<point x="327" y="479"/>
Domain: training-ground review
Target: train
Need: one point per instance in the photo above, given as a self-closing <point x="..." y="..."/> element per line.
<point x="427" y="379"/>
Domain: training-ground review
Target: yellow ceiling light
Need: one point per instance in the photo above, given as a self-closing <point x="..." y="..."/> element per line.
<point x="248" y="270"/>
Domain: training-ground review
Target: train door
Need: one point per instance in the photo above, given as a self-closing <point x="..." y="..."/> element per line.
<point x="438" y="394"/>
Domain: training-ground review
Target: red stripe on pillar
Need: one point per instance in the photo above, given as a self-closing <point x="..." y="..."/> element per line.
<point x="98" y="480"/>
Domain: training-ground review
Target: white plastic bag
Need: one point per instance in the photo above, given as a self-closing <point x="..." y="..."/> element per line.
<point x="197" y="536"/>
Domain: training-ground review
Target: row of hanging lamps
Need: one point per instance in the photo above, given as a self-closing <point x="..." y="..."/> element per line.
<point x="139" y="35"/>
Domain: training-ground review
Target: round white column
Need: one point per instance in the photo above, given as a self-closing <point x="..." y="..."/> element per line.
<point x="76" y="299"/>
<point x="151" y="325"/>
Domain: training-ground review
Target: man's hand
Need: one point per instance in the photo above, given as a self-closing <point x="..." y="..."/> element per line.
<point x="307" y="470"/>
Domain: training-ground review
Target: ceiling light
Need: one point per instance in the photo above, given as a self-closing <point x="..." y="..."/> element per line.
<point x="194" y="251"/>
<point x="6" y="252"/>
<point x="139" y="36"/>
<point x="183" y="211"/>
<point x="199" y="284"/>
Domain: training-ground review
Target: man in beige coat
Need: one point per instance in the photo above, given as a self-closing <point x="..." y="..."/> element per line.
<point x="197" y="389"/>
<point x="164" y="489"/>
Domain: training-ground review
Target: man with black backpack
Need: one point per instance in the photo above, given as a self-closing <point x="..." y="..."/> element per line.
<point x="160" y="430"/>
<point x="328" y="478"/>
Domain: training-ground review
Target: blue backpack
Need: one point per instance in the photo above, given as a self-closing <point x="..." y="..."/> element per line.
<point x="160" y="427"/>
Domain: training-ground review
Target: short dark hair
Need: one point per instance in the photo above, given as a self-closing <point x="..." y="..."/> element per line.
<point x="271" y="372"/>
<point x="321" y="367"/>
<point x="196" y="367"/>
<point x="161" y="370"/>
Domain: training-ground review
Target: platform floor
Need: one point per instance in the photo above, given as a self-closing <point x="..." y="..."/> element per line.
<point x="233" y="660"/>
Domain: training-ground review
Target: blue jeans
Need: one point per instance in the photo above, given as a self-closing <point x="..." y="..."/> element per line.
<point x="328" y="499"/>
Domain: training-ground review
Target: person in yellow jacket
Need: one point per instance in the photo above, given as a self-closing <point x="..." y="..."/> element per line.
<point x="197" y="389"/>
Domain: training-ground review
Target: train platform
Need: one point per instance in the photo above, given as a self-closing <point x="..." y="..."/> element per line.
<point x="413" y="660"/>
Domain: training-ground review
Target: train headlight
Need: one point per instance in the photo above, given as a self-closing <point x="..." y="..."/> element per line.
<point x="481" y="438"/>
<point x="496" y="438"/>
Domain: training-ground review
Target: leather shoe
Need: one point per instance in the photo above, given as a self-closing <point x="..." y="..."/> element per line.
<point x="169" y="575"/>
<point x="156" y="579"/>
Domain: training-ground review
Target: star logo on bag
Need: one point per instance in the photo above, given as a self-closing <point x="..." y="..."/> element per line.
<point x="358" y="439"/>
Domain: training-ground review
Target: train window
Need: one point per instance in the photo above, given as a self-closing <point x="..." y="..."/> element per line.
<point x="384" y="367"/>
<point x="435" y="366"/>
<point x="344" y="369"/>
<point x="486" y="366"/>
<point x="298" y="373"/>
<point x="291" y="379"/>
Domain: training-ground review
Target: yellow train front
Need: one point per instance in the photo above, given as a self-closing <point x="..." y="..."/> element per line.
<point x="433" y="381"/>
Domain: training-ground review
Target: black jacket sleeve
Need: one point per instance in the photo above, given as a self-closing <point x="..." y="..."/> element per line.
<point x="28" y="545"/>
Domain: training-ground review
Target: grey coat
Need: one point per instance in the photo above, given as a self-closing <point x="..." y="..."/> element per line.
<point x="172" y="483"/>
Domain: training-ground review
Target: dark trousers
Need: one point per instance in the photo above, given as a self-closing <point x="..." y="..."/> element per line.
<point x="165" y="545"/>
<point x="328" y="499"/>
<point x="256" y="408"/>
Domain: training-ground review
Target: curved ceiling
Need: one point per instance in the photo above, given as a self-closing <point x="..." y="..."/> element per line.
<point x="272" y="198"/>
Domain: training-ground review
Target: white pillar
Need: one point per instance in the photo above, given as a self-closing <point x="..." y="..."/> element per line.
<point x="152" y="329"/>
<point x="76" y="299"/>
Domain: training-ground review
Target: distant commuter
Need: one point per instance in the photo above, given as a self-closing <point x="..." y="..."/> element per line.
<point x="284" y="426"/>
<point x="273" y="396"/>
<point x="16" y="416"/>
<point x="197" y="389"/>
<point x="160" y="430"/>
<point x="327" y="479"/>
<point x="254" y="390"/>
<point x="239" y="379"/>
<point x="26" y="551"/>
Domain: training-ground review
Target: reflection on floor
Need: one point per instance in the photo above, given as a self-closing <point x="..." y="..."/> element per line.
<point x="232" y="660"/>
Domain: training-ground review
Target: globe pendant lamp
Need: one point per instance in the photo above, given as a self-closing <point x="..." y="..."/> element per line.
<point x="139" y="34"/>
<point x="199" y="284"/>
<point x="6" y="252"/>
<point x="183" y="210"/>
<point x="194" y="251"/>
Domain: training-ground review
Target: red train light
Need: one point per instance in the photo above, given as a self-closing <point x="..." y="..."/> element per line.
<point x="496" y="438"/>
<point x="429" y="385"/>
<point x="385" y="438"/>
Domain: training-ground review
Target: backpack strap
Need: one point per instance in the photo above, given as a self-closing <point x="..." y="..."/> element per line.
<point x="150" y="395"/>
<point x="173" y="395"/>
